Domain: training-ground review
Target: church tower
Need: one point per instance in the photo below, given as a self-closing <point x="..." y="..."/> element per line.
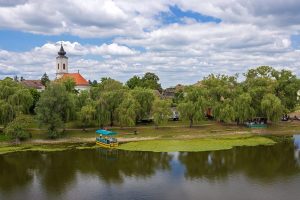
<point x="61" y="63"/>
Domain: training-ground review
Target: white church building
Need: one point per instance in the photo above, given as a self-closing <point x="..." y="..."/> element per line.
<point x="62" y="71"/>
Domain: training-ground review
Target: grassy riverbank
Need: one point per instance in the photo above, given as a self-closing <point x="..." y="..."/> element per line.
<point x="175" y="136"/>
<point x="192" y="145"/>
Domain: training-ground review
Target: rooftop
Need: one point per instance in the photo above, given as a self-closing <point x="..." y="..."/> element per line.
<point x="37" y="84"/>
<point x="79" y="80"/>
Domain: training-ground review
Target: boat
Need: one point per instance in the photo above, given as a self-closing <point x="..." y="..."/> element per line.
<point x="105" y="139"/>
<point x="257" y="122"/>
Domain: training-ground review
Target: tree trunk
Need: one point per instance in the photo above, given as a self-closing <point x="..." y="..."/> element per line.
<point x="111" y="119"/>
<point x="191" y="123"/>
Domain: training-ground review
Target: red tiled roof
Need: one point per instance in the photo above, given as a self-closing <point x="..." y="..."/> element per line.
<point x="79" y="80"/>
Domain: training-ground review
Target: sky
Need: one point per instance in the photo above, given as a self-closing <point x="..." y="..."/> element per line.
<point x="181" y="41"/>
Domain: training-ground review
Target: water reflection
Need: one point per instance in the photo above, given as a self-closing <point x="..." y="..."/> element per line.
<point x="297" y="148"/>
<point x="58" y="170"/>
<point x="264" y="163"/>
<point x="55" y="175"/>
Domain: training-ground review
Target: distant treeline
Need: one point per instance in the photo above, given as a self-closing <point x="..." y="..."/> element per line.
<point x="265" y="92"/>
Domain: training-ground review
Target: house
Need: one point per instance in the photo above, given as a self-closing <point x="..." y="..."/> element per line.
<point x="36" y="84"/>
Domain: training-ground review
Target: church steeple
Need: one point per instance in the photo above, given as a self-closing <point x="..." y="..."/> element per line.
<point x="61" y="51"/>
<point x="61" y="62"/>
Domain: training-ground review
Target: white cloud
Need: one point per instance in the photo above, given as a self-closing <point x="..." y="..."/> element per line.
<point x="251" y="33"/>
<point x="112" y="49"/>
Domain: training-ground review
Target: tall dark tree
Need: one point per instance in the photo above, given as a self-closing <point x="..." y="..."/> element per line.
<point x="45" y="79"/>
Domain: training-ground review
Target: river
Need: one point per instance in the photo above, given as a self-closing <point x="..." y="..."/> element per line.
<point x="261" y="172"/>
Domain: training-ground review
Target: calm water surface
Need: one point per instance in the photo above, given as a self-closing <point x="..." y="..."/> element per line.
<point x="263" y="172"/>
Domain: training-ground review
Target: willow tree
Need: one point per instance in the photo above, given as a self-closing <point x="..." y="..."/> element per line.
<point x="243" y="108"/>
<point x="194" y="105"/>
<point x="87" y="115"/>
<point x="7" y="112"/>
<point x="224" y="111"/>
<point x="144" y="98"/>
<point x="271" y="107"/>
<point x="161" y="111"/>
<point x="55" y="107"/>
<point x="102" y="113"/>
<point x="14" y="99"/>
<point x="127" y="111"/>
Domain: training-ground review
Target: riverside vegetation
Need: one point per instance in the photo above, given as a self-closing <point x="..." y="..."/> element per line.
<point x="59" y="111"/>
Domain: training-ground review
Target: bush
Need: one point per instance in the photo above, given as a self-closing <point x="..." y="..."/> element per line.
<point x="17" y="128"/>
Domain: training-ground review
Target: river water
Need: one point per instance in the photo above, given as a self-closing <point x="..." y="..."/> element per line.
<point x="261" y="172"/>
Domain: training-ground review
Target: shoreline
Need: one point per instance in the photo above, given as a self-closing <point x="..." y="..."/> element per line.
<point x="152" y="144"/>
<point x="204" y="137"/>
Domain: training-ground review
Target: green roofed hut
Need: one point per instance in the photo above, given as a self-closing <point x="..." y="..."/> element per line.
<point x="105" y="139"/>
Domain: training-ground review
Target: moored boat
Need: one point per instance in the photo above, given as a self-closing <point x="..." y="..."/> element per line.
<point x="105" y="139"/>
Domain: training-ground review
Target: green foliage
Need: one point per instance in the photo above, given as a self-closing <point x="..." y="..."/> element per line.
<point x="127" y="111"/>
<point x="82" y="99"/>
<point x="149" y="80"/>
<point x="144" y="98"/>
<point x="134" y="82"/>
<point x="87" y="114"/>
<point x="224" y="111"/>
<point x="36" y="97"/>
<point x="194" y="105"/>
<point x="161" y="111"/>
<point x="287" y="86"/>
<point x="243" y="109"/>
<point x="7" y="112"/>
<point x="14" y="99"/>
<point x="17" y="128"/>
<point x="102" y="113"/>
<point x="271" y="107"/>
<point x="55" y="107"/>
<point x="69" y="84"/>
<point x="220" y="87"/>
<point x="45" y="79"/>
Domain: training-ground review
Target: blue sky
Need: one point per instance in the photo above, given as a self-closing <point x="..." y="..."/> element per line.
<point x="180" y="40"/>
<point x="177" y="15"/>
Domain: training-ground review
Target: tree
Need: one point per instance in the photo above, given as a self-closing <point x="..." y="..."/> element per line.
<point x="87" y="114"/>
<point x="258" y="83"/>
<point x="194" y="105"/>
<point x="272" y="107"/>
<point x="82" y="99"/>
<point x="224" y="111"/>
<point x="102" y="113"/>
<point x="21" y="100"/>
<point x="150" y="80"/>
<point x="14" y="99"/>
<point x="127" y="111"/>
<point x="45" y="79"/>
<point x="69" y="84"/>
<point x="7" y="112"/>
<point x="55" y="107"/>
<point x="161" y="111"/>
<point x="243" y="109"/>
<point x="106" y="85"/>
<point x="286" y="88"/>
<point x="17" y="128"/>
<point x="35" y="97"/>
<point x="113" y="100"/>
<point x="134" y="82"/>
<point x="144" y="98"/>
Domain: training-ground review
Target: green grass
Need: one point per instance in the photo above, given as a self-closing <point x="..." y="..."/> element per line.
<point x="43" y="148"/>
<point x="208" y="144"/>
<point x="3" y="137"/>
